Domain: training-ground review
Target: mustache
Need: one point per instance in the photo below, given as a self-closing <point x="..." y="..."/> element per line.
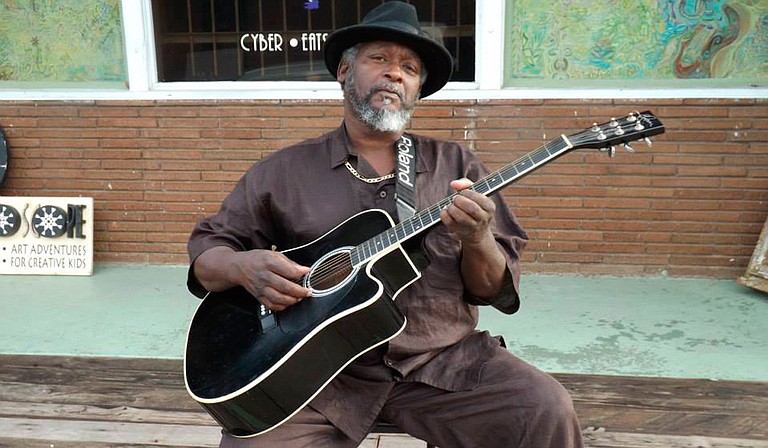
<point x="386" y="87"/>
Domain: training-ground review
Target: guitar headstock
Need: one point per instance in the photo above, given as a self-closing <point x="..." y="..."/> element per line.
<point x="618" y="131"/>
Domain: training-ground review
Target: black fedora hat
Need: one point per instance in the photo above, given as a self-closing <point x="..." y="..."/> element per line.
<point x="394" y="22"/>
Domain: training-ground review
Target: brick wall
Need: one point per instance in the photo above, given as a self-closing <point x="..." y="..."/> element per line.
<point x="692" y="205"/>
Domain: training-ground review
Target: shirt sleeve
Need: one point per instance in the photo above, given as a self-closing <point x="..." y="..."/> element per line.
<point x="511" y="239"/>
<point x="241" y="223"/>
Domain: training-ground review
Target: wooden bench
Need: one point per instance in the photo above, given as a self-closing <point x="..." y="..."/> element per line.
<point x="395" y="437"/>
<point x="77" y="402"/>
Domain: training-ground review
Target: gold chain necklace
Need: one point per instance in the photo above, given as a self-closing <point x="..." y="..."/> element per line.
<point x="374" y="180"/>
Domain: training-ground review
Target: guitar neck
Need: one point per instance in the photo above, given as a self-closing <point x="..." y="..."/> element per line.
<point x="426" y="218"/>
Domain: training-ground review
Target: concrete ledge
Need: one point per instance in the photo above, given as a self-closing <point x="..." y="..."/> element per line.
<point x="685" y="328"/>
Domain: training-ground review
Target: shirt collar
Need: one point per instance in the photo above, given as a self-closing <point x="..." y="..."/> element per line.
<point x="341" y="149"/>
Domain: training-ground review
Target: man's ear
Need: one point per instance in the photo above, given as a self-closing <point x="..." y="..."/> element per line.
<point x="341" y="72"/>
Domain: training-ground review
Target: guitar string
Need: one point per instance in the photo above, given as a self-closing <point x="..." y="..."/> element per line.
<point x="327" y="270"/>
<point x="323" y="272"/>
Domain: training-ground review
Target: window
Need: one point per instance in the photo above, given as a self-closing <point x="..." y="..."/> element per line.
<point x="63" y="43"/>
<point x="282" y="40"/>
<point x="626" y="43"/>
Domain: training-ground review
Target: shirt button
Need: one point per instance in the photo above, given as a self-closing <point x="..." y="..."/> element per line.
<point x="382" y="194"/>
<point x="389" y="362"/>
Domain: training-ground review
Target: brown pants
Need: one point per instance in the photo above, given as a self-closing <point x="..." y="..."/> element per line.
<point x="516" y="405"/>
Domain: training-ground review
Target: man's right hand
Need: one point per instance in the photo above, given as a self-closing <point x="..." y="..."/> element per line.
<point x="269" y="276"/>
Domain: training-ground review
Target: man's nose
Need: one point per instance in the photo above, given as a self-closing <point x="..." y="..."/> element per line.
<point x="394" y="72"/>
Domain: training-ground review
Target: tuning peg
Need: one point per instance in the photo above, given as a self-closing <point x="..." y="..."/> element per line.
<point x="611" y="150"/>
<point x="629" y="147"/>
<point x="648" y="141"/>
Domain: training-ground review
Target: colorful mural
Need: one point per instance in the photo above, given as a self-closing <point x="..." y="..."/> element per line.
<point x="61" y="40"/>
<point x="636" y="40"/>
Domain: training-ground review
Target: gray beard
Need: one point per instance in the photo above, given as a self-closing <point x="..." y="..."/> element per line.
<point x="383" y="120"/>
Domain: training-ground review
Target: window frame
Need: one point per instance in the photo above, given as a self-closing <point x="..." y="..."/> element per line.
<point x="147" y="77"/>
<point x="143" y="84"/>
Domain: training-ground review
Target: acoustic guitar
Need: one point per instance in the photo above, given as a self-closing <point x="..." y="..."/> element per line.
<point x="252" y="369"/>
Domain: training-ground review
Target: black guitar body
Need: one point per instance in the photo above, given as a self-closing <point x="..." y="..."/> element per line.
<point x="251" y="379"/>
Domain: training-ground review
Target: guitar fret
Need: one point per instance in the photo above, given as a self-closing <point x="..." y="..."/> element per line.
<point x="390" y="234"/>
<point x="508" y="172"/>
<point x="417" y="226"/>
<point x="494" y="182"/>
<point x="408" y="223"/>
<point x="540" y="156"/>
<point x="524" y="164"/>
<point x="554" y="150"/>
<point x="481" y="187"/>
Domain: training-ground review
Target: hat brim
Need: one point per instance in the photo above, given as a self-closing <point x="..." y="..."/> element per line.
<point x="435" y="57"/>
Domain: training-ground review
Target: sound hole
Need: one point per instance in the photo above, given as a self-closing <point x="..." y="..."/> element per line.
<point x="330" y="272"/>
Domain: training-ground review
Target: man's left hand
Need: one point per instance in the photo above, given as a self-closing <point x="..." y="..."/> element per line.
<point x="469" y="216"/>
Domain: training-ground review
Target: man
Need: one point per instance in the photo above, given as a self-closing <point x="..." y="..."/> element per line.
<point x="440" y="380"/>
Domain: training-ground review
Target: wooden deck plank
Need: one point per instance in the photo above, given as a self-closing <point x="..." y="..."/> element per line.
<point x="6" y="442"/>
<point x="86" y="431"/>
<point x="98" y="413"/>
<point x="670" y="393"/>
<point x="399" y="441"/>
<point x="604" y="439"/>
<point x="123" y="402"/>
<point x="36" y="433"/>
<point x="671" y="406"/>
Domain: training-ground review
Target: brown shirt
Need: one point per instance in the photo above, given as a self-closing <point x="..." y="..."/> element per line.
<point x="296" y="195"/>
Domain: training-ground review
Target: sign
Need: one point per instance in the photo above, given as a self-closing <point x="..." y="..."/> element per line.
<point x="273" y="42"/>
<point x="46" y="236"/>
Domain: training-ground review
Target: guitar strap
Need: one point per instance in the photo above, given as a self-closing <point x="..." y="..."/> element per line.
<point x="406" y="177"/>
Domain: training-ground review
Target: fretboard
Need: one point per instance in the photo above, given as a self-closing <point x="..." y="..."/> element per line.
<point x="426" y="218"/>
